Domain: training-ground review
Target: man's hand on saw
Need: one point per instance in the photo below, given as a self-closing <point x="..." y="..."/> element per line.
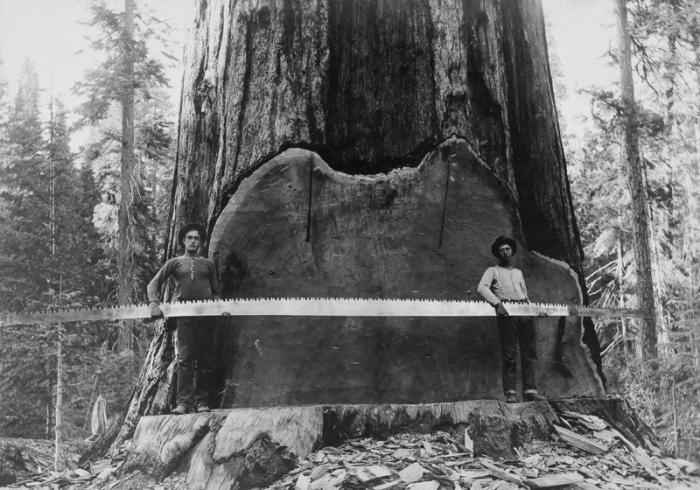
<point x="501" y="310"/>
<point x="156" y="312"/>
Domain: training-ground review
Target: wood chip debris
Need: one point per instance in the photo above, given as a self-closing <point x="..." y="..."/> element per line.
<point x="100" y="475"/>
<point x="576" y="461"/>
<point x="589" y="455"/>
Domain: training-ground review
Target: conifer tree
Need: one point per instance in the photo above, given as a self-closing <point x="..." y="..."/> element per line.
<point x="24" y="263"/>
<point x="637" y="188"/>
<point x="127" y="77"/>
<point x="50" y="258"/>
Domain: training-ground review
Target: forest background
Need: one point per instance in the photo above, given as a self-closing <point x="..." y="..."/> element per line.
<point x="61" y="187"/>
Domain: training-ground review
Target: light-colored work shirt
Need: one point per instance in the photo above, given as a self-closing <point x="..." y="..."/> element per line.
<point x="499" y="284"/>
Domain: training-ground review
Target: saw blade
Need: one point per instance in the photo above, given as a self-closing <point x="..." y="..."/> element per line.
<point x="314" y="307"/>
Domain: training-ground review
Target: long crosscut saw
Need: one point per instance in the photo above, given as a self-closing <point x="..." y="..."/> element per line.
<point x="311" y="307"/>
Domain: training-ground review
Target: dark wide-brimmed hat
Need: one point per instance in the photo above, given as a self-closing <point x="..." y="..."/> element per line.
<point x="189" y="227"/>
<point x="503" y="240"/>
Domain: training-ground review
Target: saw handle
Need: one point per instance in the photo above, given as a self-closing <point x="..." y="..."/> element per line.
<point x="156" y="312"/>
<point x="501" y="310"/>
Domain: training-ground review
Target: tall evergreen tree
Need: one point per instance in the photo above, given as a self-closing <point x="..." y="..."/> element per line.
<point x="25" y="220"/>
<point x="24" y="263"/>
<point x="666" y="89"/>
<point x="127" y="77"/>
<point x="637" y="188"/>
<point x="49" y="258"/>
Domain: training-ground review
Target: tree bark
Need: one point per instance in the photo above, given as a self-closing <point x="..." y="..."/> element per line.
<point x="372" y="148"/>
<point x="58" y="429"/>
<point x="637" y="188"/>
<point x="127" y="180"/>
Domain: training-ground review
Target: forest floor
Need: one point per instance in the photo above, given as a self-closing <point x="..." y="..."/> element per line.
<point x="589" y="457"/>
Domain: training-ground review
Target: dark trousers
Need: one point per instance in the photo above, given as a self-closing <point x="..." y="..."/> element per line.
<point x="195" y="337"/>
<point x="514" y="330"/>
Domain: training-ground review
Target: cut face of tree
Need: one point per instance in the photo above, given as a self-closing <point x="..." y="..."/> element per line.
<point x="296" y="228"/>
<point x="369" y="87"/>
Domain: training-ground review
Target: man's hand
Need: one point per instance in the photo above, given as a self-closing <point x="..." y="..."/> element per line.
<point x="156" y="312"/>
<point x="501" y="310"/>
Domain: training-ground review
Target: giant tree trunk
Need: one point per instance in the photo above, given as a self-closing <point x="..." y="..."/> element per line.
<point x="375" y="149"/>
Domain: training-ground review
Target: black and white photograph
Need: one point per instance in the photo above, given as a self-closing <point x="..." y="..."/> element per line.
<point x="350" y="244"/>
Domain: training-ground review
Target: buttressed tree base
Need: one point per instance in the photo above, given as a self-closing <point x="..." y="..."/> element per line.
<point x="375" y="149"/>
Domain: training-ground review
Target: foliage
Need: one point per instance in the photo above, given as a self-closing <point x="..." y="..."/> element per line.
<point x="49" y="257"/>
<point x="106" y="84"/>
<point x="666" y="43"/>
<point x="28" y="378"/>
<point x="104" y="89"/>
<point x="75" y="269"/>
<point x="665" y="396"/>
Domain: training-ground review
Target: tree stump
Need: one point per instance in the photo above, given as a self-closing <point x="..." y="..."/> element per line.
<point x="250" y="448"/>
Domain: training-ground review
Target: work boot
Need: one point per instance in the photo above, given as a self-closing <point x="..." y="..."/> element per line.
<point x="202" y="407"/>
<point x="511" y="398"/>
<point x="533" y="396"/>
<point x="180" y="410"/>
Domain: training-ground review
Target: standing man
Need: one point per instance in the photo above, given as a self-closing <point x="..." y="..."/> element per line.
<point x="502" y="284"/>
<point x="195" y="279"/>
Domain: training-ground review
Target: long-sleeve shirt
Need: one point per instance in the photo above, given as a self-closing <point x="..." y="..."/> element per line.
<point x="498" y="284"/>
<point x="189" y="286"/>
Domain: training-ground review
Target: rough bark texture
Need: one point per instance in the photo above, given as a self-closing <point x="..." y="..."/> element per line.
<point x="250" y="448"/>
<point x="636" y="183"/>
<point x="367" y="87"/>
<point x="372" y="86"/>
<point x="127" y="181"/>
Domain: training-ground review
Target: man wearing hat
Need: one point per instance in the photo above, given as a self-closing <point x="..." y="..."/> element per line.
<point x="502" y="284"/>
<point x="195" y="279"/>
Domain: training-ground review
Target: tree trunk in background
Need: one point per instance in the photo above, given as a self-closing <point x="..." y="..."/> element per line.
<point x="637" y="189"/>
<point x="58" y="455"/>
<point x="372" y="148"/>
<point x="690" y="187"/>
<point x="128" y="180"/>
